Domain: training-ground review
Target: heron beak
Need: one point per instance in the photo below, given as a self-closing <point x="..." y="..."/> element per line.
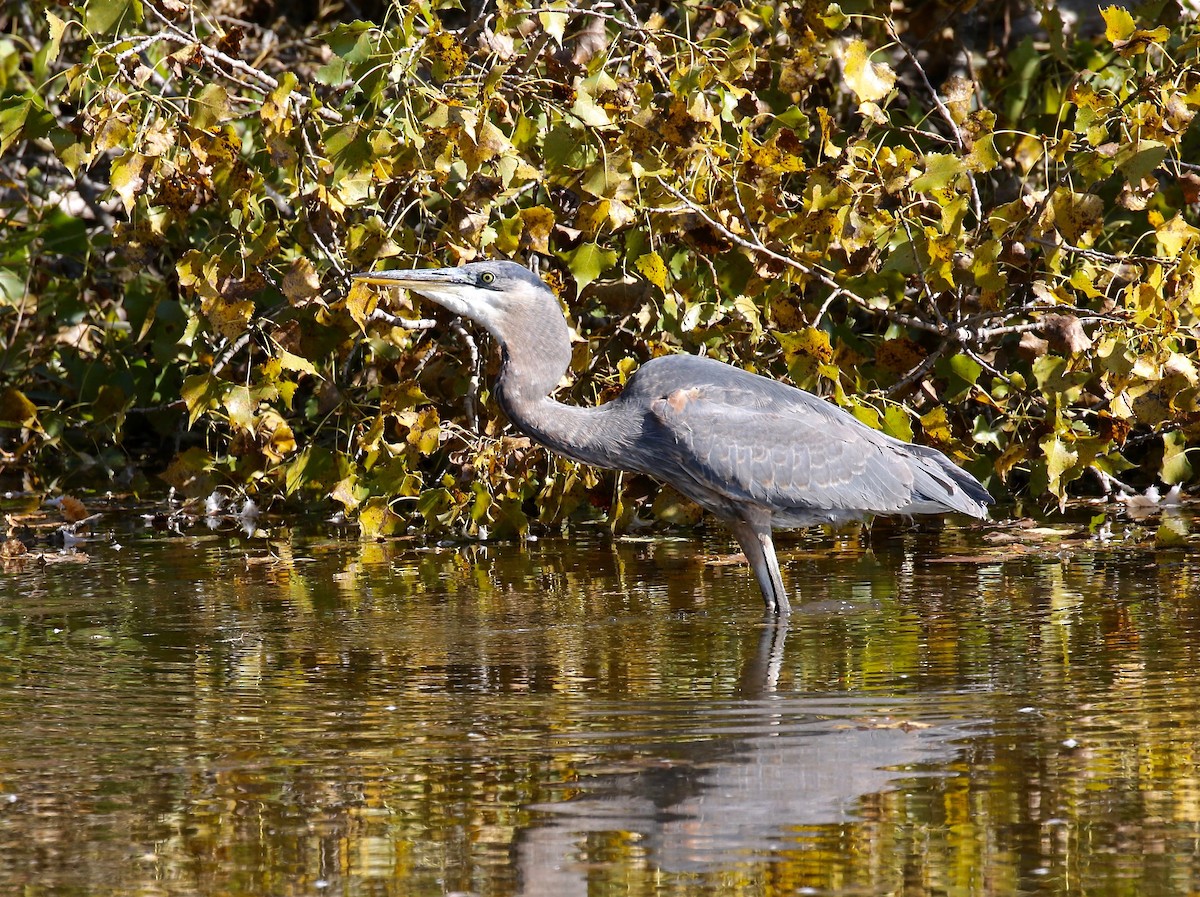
<point x="445" y="286"/>
<point x="417" y="280"/>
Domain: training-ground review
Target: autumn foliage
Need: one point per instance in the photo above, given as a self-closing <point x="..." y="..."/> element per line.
<point x="975" y="233"/>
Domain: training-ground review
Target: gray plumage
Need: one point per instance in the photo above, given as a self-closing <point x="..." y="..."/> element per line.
<point x="757" y="453"/>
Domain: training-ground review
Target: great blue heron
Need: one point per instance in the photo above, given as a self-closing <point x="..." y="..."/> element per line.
<point x="757" y="453"/>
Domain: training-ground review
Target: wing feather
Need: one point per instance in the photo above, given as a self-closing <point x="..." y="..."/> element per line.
<point x="732" y="440"/>
<point x="784" y="450"/>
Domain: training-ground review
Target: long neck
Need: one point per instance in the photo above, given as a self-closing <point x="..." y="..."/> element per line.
<point x="535" y="355"/>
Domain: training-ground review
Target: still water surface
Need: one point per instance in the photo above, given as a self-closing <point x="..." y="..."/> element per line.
<point x="307" y="715"/>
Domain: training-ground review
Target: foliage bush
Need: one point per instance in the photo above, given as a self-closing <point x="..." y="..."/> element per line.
<point x="976" y="234"/>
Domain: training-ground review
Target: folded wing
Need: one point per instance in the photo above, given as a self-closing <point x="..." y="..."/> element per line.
<point x="788" y="451"/>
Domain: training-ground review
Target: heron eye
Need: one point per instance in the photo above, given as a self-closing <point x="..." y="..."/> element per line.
<point x="487" y="277"/>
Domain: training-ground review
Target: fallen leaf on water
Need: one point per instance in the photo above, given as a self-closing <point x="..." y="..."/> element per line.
<point x="73" y="510"/>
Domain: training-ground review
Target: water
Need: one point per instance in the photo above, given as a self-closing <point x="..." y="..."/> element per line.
<point x="954" y="712"/>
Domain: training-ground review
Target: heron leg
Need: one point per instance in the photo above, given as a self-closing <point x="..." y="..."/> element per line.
<point x="755" y="539"/>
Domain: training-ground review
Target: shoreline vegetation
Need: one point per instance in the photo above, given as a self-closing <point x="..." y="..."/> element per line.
<point x="975" y="231"/>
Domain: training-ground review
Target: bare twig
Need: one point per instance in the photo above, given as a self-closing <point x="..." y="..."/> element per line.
<point x="917" y="372"/>
<point x="976" y="203"/>
<point x="471" y="399"/>
<point x="405" y="323"/>
<point x="1106" y="257"/>
<point x="241" y="73"/>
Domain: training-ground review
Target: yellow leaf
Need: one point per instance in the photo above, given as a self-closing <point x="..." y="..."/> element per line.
<point x="983" y="156"/>
<point x="57" y="28"/>
<point x="446" y="56"/>
<point x="1171" y="533"/>
<point x="15" y="408"/>
<point x="654" y="269"/>
<point x="229" y="318"/>
<point x="537" y="223"/>
<point x="671" y="507"/>
<point x="360" y="302"/>
<point x="1125" y="36"/>
<point x="809" y="343"/>
<point x="424" y="432"/>
<point x="1076" y="214"/>
<point x="1174" y="235"/>
<point x="592" y="217"/>
<point x="241" y="406"/>
<point x="746" y="306"/>
<point x="376" y="519"/>
<point x="401" y="397"/>
<point x="300" y="365"/>
<point x="485" y="144"/>
<point x="188" y="471"/>
<point x="554" y="23"/>
<point x="936" y="425"/>
<point x="275" y="436"/>
<point x="586" y="110"/>
<point x="1012" y="456"/>
<point x="1175" y="465"/>
<point x="301" y="281"/>
<point x="348" y="493"/>
<point x="897" y="424"/>
<point x="957" y="92"/>
<point x="871" y="81"/>
<point x="1060" y="466"/>
<point x="1118" y="24"/>
<point x="274" y="111"/>
<point x="833" y="18"/>
<point x="128" y="178"/>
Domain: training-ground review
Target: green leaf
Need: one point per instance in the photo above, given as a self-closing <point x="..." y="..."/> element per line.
<point x="833" y="18"/>
<point x="1175" y="465"/>
<point x="22" y="118"/>
<point x="200" y="393"/>
<point x="940" y="170"/>
<point x="346" y="38"/>
<point x="867" y="415"/>
<point x="897" y="423"/>
<point x="12" y="287"/>
<point x="1171" y="533"/>
<point x="961" y="373"/>
<point x="1138" y="160"/>
<point x="985" y="432"/>
<point x="966" y="368"/>
<point x="588" y="262"/>
<point x="210" y="107"/>
<point x="1053" y="377"/>
<point x="107" y="16"/>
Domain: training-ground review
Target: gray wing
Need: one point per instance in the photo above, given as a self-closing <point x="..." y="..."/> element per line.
<point x="788" y="451"/>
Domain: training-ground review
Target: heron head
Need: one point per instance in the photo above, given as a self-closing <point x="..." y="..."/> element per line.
<point x="498" y="295"/>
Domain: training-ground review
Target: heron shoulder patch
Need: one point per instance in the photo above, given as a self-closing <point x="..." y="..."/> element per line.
<point x="679" y="399"/>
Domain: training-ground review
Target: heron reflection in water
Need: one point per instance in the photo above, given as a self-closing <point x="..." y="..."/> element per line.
<point x="756" y="453"/>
